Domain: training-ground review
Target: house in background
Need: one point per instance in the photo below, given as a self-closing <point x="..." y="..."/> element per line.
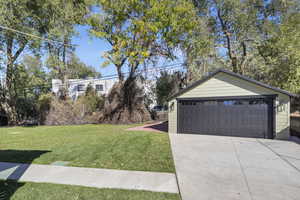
<point x="78" y="87"/>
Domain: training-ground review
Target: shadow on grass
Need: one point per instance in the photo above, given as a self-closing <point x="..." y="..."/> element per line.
<point x="8" y="188"/>
<point x="20" y="156"/>
<point x="13" y="164"/>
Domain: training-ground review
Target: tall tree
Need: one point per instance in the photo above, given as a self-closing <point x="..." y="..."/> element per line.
<point x="41" y="18"/>
<point x="31" y="81"/>
<point x="65" y="14"/>
<point x="281" y="52"/>
<point x="250" y="38"/>
<point x="140" y="31"/>
<point x="16" y="15"/>
<point x="76" y="69"/>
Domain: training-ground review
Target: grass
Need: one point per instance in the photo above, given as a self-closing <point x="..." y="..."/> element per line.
<point x="42" y="191"/>
<point x="97" y="146"/>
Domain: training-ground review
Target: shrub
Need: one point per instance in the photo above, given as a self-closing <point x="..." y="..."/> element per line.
<point x="91" y="101"/>
<point x="85" y="110"/>
<point x="43" y="106"/>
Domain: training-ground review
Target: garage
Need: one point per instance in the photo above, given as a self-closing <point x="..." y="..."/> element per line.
<point x="229" y="104"/>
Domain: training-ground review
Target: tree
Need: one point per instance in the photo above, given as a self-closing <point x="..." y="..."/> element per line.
<point x="41" y="18"/>
<point x="282" y="53"/>
<point x="76" y="69"/>
<point x="167" y="85"/>
<point x="65" y="18"/>
<point x="247" y="37"/>
<point x="30" y="81"/>
<point x="233" y="29"/>
<point x="139" y="32"/>
<point x="80" y="70"/>
<point x="17" y="15"/>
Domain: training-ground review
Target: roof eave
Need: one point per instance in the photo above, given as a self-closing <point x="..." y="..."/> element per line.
<point x="195" y="84"/>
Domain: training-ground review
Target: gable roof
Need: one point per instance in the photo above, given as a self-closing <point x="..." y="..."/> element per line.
<point x="195" y="84"/>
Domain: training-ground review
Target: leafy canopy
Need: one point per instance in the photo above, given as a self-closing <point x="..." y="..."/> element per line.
<point x="140" y="31"/>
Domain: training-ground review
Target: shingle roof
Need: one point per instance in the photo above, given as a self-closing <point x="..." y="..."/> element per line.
<point x="195" y="84"/>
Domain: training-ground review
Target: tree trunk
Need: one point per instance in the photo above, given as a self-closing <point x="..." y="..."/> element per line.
<point x="9" y="103"/>
<point x="120" y="75"/>
<point x="11" y="114"/>
<point x="10" y="96"/>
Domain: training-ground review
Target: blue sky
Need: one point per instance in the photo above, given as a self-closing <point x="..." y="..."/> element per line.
<point x="89" y="50"/>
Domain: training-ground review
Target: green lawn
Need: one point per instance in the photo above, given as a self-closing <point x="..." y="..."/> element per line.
<point x="42" y="191"/>
<point x="98" y="146"/>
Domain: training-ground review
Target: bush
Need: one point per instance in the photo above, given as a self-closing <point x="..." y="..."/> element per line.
<point x="85" y="110"/>
<point x="43" y="106"/>
<point x="91" y="101"/>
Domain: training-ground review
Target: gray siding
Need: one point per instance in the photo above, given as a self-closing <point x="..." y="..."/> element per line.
<point x="223" y="84"/>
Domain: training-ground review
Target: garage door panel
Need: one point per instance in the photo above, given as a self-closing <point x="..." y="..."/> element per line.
<point x="243" y="118"/>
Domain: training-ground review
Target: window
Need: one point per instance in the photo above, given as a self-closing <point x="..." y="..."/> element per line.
<point x="80" y="87"/>
<point x="99" y="87"/>
<point x="243" y="102"/>
<point x="188" y="103"/>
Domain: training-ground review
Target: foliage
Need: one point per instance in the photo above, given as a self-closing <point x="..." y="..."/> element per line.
<point x="62" y="26"/>
<point x="32" y="91"/>
<point x="30" y="81"/>
<point x="17" y="15"/>
<point x="282" y="52"/>
<point x="42" y="18"/>
<point x="84" y="110"/>
<point x="91" y="100"/>
<point x="75" y="69"/>
<point x="43" y="106"/>
<point x="254" y="38"/>
<point x="79" y="70"/>
<point x="259" y="39"/>
<point x="166" y="85"/>
<point x="139" y="31"/>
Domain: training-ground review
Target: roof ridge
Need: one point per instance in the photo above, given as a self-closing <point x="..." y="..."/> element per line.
<point x="243" y="77"/>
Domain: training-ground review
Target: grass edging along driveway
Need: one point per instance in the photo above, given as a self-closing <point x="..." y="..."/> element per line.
<point x="37" y="191"/>
<point x="98" y="146"/>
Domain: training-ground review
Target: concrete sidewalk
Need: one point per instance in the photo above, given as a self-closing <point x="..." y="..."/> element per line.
<point x="90" y="177"/>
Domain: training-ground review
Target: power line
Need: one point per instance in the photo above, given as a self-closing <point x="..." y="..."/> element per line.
<point x="159" y="68"/>
<point x="115" y="76"/>
<point x="146" y="70"/>
<point x="35" y="36"/>
<point x="112" y="76"/>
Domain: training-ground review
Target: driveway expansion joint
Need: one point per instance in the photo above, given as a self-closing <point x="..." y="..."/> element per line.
<point x="281" y="157"/>
<point x="242" y="169"/>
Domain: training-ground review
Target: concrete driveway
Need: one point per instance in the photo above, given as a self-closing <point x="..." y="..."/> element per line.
<point x="228" y="168"/>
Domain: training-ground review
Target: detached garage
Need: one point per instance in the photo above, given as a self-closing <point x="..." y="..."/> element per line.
<point x="229" y="104"/>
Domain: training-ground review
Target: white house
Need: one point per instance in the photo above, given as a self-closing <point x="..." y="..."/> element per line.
<point x="77" y="87"/>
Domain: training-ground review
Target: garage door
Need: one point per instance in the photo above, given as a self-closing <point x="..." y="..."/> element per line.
<point x="227" y="117"/>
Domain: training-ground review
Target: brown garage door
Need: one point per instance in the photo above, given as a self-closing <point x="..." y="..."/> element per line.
<point x="227" y="117"/>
